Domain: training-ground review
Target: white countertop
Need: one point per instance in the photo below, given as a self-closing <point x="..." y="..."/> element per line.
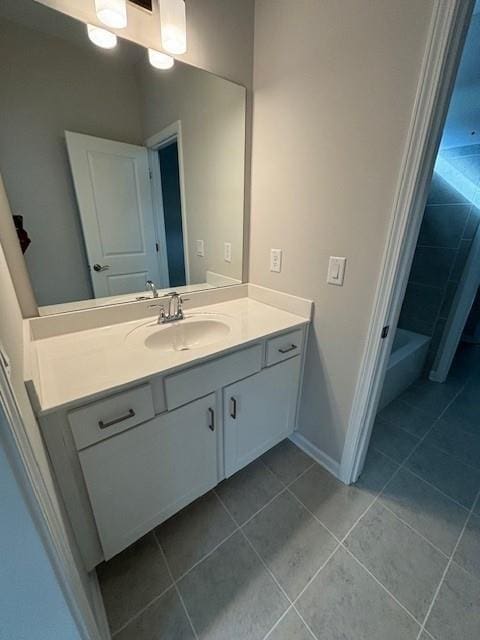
<point x="85" y="364"/>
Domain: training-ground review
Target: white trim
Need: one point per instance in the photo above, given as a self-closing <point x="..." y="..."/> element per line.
<point x="157" y="141"/>
<point x="158" y="217"/>
<point x="461" y="306"/>
<point x="442" y="54"/>
<point x="317" y="454"/>
<point x="45" y="515"/>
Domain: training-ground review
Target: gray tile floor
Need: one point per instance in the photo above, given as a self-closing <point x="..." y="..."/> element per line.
<point x="284" y="551"/>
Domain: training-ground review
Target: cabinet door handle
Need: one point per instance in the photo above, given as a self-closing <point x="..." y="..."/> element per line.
<point x="211" y="423"/>
<point x="233" y="408"/>
<point x="104" y="425"/>
<point x="292" y="347"/>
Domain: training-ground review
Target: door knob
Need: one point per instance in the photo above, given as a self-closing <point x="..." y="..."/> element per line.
<point x="101" y="267"/>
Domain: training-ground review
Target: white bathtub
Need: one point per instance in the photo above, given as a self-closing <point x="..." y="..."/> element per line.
<point x="405" y="364"/>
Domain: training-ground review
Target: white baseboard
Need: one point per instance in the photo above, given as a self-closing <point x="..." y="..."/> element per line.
<point x="317" y="454"/>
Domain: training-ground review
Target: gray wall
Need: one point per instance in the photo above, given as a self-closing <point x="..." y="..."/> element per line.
<point x="48" y="87"/>
<point x="449" y="225"/>
<point x="334" y="84"/>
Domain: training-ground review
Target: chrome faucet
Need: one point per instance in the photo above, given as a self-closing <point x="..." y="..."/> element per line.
<point x="175" y="310"/>
<point x="151" y="287"/>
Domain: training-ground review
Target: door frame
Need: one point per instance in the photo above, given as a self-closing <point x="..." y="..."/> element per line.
<point x="169" y="134"/>
<point x="447" y="32"/>
<point x="45" y="516"/>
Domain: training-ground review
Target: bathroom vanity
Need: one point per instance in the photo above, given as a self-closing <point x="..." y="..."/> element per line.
<point x="140" y="419"/>
<point x="125" y="204"/>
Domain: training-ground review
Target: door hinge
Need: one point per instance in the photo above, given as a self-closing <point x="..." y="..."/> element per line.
<point x="156" y="247"/>
<point x="385" y="331"/>
<point x="150" y="174"/>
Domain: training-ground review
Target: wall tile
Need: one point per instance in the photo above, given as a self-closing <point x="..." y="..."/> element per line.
<point x="458" y="152"/>
<point x="448" y="297"/>
<point x="443" y="225"/>
<point x="460" y="260"/>
<point x="431" y="266"/>
<point x="420" y="308"/>
<point x="472" y="223"/>
<point x="441" y="192"/>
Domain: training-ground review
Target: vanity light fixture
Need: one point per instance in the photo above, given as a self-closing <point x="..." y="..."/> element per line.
<point x="160" y="60"/>
<point x="173" y="26"/>
<point x="113" y="13"/>
<point x="101" y="37"/>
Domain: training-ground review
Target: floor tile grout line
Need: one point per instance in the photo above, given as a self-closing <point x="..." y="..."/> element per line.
<point x="284" y="614"/>
<point x="190" y="622"/>
<point x="449" y="564"/>
<point x="270" y="572"/>
<point x="206" y="555"/>
<point x="237" y="528"/>
<point x="138" y="613"/>
<point x="377" y="497"/>
<point x="287" y="484"/>
<point x="430" y="484"/>
<point x="412" y="528"/>
<point x="341" y="544"/>
<point x="380" y="584"/>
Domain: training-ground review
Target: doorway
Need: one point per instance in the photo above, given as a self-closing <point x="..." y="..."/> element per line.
<point x="434" y="91"/>
<point x="165" y="152"/>
<point x="172" y="212"/>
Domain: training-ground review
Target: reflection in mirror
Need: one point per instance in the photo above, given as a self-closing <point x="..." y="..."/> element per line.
<point x="117" y="173"/>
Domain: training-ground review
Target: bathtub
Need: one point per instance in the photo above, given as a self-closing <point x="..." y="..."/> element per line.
<point x="405" y="364"/>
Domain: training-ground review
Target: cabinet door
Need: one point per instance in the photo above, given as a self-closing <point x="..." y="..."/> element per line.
<point x="139" y="478"/>
<point x="259" y="412"/>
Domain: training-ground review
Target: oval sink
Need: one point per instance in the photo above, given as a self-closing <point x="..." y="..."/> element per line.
<point x="191" y="333"/>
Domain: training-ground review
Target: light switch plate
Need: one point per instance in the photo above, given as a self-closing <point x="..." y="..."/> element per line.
<point x="200" y="248"/>
<point x="336" y="270"/>
<point x="227" y="251"/>
<point x="275" y="260"/>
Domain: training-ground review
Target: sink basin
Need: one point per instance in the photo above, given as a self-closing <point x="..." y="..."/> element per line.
<point x="193" y="332"/>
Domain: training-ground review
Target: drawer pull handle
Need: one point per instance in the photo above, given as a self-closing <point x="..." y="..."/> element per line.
<point x="211" y="424"/>
<point x="104" y="425"/>
<point x="292" y="347"/>
<point x="233" y="408"/>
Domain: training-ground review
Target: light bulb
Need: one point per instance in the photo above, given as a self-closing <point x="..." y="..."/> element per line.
<point x="101" y="37"/>
<point x="173" y="26"/>
<point x="160" y="60"/>
<point x="113" y="13"/>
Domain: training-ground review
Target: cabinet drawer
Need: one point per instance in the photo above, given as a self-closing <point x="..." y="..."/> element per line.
<point x="114" y="414"/>
<point x="196" y="382"/>
<point x="284" y="346"/>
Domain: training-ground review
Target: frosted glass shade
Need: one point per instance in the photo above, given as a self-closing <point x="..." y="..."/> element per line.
<point x="173" y="26"/>
<point x="160" y="60"/>
<point x="101" y="37"/>
<point x="113" y="13"/>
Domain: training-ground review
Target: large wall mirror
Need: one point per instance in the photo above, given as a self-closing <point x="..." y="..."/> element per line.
<point x="117" y="173"/>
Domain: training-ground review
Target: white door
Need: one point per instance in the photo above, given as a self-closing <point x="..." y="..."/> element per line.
<point x="259" y="413"/>
<point x="112" y="184"/>
<point x="139" y="478"/>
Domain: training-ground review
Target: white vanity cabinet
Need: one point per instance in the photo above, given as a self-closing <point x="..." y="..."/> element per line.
<point x="130" y="459"/>
<point x="259" y="412"/>
<point x="139" y="478"/>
